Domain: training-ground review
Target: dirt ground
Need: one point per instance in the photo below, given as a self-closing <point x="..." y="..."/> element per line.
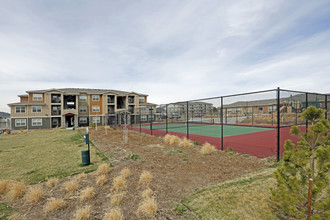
<point x="177" y="173"/>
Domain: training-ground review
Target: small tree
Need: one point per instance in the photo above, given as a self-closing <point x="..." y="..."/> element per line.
<point x="310" y="158"/>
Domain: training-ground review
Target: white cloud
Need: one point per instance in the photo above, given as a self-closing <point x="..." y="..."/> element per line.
<point x="171" y="50"/>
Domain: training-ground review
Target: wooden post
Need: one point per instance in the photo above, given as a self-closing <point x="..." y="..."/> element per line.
<point x="309" y="205"/>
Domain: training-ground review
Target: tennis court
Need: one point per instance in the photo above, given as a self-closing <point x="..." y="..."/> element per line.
<point x="210" y="130"/>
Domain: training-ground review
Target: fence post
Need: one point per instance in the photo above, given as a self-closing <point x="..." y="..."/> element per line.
<point x="150" y="109"/>
<point x="140" y="119"/>
<point x="326" y="107"/>
<point x="187" y="120"/>
<point x="252" y="114"/>
<point x="166" y="119"/>
<point x="305" y="109"/>
<point x="278" y="123"/>
<point x="221" y="121"/>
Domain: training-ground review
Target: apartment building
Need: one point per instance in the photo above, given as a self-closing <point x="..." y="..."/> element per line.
<point x="74" y="107"/>
<point x="196" y="108"/>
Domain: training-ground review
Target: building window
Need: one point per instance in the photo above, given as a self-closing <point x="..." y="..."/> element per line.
<point x="96" y="119"/>
<point x="82" y="98"/>
<point x="142" y="99"/>
<point x="20" y="109"/>
<point x="36" y="109"/>
<point x="83" y="109"/>
<point x="260" y="108"/>
<point x="96" y="98"/>
<point x="37" y="97"/>
<point x="96" y="108"/>
<point x="82" y="120"/>
<point x="20" y="122"/>
<point x="143" y="108"/>
<point x="143" y="117"/>
<point x="36" y="122"/>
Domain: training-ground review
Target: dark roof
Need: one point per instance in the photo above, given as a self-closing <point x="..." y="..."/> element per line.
<point x="85" y="90"/>
<point x="4" y="114"/>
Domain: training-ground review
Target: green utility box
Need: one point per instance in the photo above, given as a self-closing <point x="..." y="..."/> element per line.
<point x="86" y="138"/>
<point x="85" y="157"/>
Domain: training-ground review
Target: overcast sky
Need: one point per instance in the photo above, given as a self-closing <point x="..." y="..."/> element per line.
<point x="171" y="50"/>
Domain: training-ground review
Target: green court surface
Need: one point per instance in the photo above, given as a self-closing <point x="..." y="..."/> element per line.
<point x="207" y="130"/>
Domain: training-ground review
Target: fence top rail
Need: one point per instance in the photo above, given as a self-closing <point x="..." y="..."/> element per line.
<point x="313" y="93"/>
<point x="226" y="96"/>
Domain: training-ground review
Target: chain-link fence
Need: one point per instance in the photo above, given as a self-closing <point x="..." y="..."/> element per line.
<point x="256" y="123"/>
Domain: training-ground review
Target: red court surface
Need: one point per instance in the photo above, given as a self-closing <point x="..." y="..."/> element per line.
<point x="260" y="144"/>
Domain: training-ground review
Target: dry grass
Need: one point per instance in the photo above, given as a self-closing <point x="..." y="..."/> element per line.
<point x="207" y="148"/>
<point x="70" y="186"/>
<point x="117" y="198"/>
<point x="147" y="193"/>
<point x="4" y="184"/>
<point x="81" y="177"/>
<point x="119" y="183"/>
<point x="16" y="189"/>
<point x="83" y="213"/>
<point x="53" y="204"/>
<point x="125" y="172"/>
<point x="52" y="182"/>
<point x="148" y="208"/>
<point x="114" y="214"/>
<point x="185" y="143"/>
<point x="174" y="140"/>
<point x="145" y="178"/>
<point x="87" y="193"/>
<point x="16" y="216"/>
<point x="101" y="180"/>
<point x="167" y="138"/>
<point x="103" y="169"/>
<point x="34" y="194"/>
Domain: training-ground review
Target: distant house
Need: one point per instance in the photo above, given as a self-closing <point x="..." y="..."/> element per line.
<point x="4" y="120"/>
<point x="288" y="104"/>
<point x="74" y="107"/>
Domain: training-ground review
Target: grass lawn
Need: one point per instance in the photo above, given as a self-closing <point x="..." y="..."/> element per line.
<point x="35" y="155"/>
<point x="243" y="198"/>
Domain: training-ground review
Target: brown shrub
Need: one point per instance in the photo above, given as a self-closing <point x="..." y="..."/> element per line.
<point x="148" y="208"/>
<point x="119" y="183"/>
<point x="16" y="189"/>
<point x="147" y="193"/>
<point x="87" y="193"/>
<point x="52" y="182"/>
<point x="185" y="143"/>
<point x="101" y="180"/>
<point x="81" y="176"/>
<point x="145" y="178"/>
<point x="83" y="213"/>
<point x="34" y="194"/>
<point x="103" y="169"/>
<point x="114" y="214"/>
<point x="4" y="185"/>
<point x="70" y="186"/>
<point x="174" y="140"/>
<point x="125" y="172"/>
<point x="117" y="198"/>
<point x="207" y="148"/>
<point x="167" y="138"/>
<point x="53" y="204"/>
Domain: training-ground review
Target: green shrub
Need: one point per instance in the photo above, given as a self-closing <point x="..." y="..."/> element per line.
<point x="195" y="142"/>
<point x="180" y="209"/>
<point x="309" y="159"/>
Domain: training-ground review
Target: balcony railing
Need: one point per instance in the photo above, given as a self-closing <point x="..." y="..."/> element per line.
<point x="56" y="112"/>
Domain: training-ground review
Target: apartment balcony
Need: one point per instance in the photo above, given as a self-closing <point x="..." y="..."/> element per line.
<point x="54" y="113"/>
